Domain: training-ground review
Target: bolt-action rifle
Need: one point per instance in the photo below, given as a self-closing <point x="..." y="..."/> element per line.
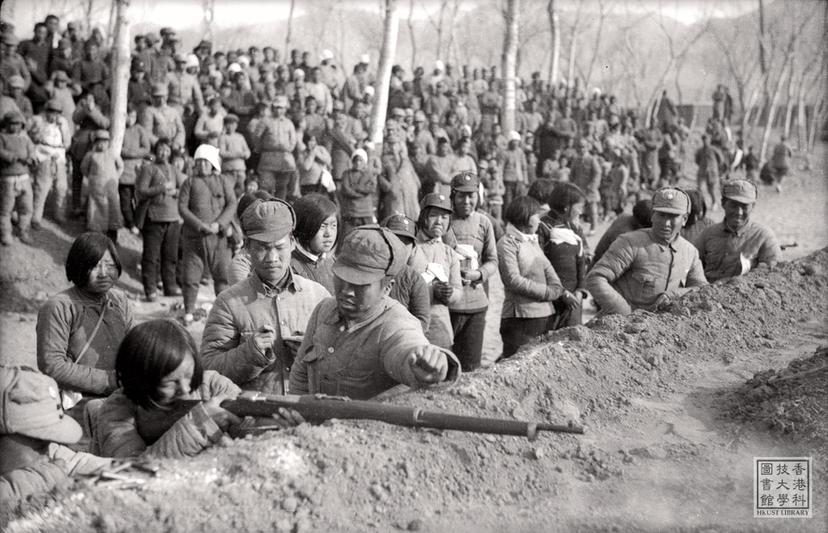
<point x="318" y="408"/>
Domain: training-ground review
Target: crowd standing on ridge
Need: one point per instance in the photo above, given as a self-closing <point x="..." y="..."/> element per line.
<point x="339" y="266"/>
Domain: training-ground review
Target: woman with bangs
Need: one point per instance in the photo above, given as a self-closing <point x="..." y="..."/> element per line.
<point x="316" y="234"/>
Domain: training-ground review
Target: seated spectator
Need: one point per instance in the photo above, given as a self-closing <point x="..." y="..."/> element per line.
<point x="79" y="329"/>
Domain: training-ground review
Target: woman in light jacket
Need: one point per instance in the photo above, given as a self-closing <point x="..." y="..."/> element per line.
<point x="530" y="283"/>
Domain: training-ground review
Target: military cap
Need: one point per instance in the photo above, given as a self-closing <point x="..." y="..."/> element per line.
<point x="54" y="105"/>
<point x="172" y="36"/>
<point x="465" y="182"/>
<point x="434" y="199"/>
<point x="400" y="225"/>
<point x="204" y="44"/>
<point x="61" y="75"/>
<point x="359" y="152"/>
<point x="268" y="221"/>
<point x="138" y="66"/>
<point x="64" y="44"/>
<point x="280" y="101"/>
<point x="159" y="89"/>
<point x="739" y="190"/>
<point x="230" y="117"/>
<point x="165" y="31"/>
<point x="101" y="135"/>
<point x="671" y="200"/>
<point x="368" y="254"/>
<point x="419" y="116"/>
<point x="514" y="135"/>
<point x="151" y="38"/>
<point x="180" y="58"/>
<point x="30" y="406"/>
<point x="338" y="105"/>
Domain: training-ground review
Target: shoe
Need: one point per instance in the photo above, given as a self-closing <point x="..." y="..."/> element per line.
<point x="134" y="230"/>
<point x="779" y="188"/>
<point x="188" y="319"/>
<point x="25" y="238"/>
<point x="152" y="297"/>
<point x="37" y="225"/>
<point x="5" y="241"/>
<point x="160" y="284"/>
<point x="175" y="291"/>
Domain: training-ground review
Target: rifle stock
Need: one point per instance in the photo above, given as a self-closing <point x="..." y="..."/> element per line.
<point x="318" y="408"/>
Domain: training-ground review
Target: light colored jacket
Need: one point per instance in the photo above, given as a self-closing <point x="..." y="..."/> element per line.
<point x="530" y="283"/>
<point x="636" y="271"/>
<point x="115" y="432"/>
<point x="240" y="311"/>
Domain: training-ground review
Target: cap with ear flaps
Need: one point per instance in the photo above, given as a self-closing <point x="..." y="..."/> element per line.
<point x="368" y="254"/>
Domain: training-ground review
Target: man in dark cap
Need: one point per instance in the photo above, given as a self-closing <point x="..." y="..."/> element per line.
<point x="736" y="245"/>
<point x="162" y="120"/>
<point x="255" y="326"/>
<point x="361" y="342"/>
<point x="645" y="267"/>
<point x="410" y="289"/>
<point x="277" y="166"/>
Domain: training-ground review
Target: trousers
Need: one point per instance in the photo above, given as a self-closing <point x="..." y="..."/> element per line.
<point x="48" y="174"/>
<point x="15" y="193"/>
<point x="160" y="247"/>
<point x="210" y="251"/>
<point x="468" y="338"/>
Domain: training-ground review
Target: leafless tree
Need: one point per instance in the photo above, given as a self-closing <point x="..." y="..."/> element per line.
<point x="120" y="75"/>
<point x="390" y="32"/>
<point x="511" y="16"/>
<point x="412" y="35"/>
<point x="208" y="8"/>
<point x="289" y="29"/>
<point x="555" y="30"/>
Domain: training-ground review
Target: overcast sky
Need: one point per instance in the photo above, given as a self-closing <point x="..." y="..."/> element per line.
<point x="182" y="14"/>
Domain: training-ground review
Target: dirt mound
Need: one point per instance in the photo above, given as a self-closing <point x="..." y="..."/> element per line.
<point x="357" y="476"/>
<point x="792" y="401"/>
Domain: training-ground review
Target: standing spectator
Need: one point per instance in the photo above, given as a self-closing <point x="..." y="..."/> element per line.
<point x="399" y="182"/>
<point x="586" y="174"/>
<point x="472" y="237"/>
<point x="79" y="329"/>
<point x="211" y="120"/>
<point x="161" y="120"/>
<point x="316" y="232"/>
<point x="438" y="169"/>
<point x="514" y="170"/>
<point x="530" y="283"/>
<point x="11" y="63"/>
<point x="439" y="264"/>
<point x="780" y="161"/>
<point x="277" y="167"/>
<point x="233" y="151"/>
<point x="36" y="53"/>
<point x="314" y="167"/>
<point x="340" y="140"/>
<point x="563" y="243"/>
<point x="50" y="133"/>
<point x="357" y="193"/>
<point x="157" y="190"/>
<point x="101" y="169"/>
<point x="708" y="160"/>
<point x="136" y="147"/>
<point x="60" y="92"/>
<point x="90" y="118"/>
<point x="206" y="202"/>
<point x="92" y="74"/>
<point x="16" y="88"/>
<point x="17" y="154"/>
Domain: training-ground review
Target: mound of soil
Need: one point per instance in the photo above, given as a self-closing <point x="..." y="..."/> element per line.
<point x="793" y="400"/>
<point x="357" y="476"/>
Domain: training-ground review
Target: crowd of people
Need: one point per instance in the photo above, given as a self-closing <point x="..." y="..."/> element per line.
<point x="339" y="266"/>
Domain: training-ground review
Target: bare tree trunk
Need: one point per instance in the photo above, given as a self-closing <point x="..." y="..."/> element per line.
<point x="786" y="126"/>
<point x="509" y="68"/>
<point x="87" y="15"/>
<point x="208" y="7"/>
<point x="772" y="109"/>
<point x="817" y="121"/>
<point x="596" y="47"/>
<point x="554" y="27"/>
<point x="289" y="32"/>
<point x="120" y="76"/>
<point x="411" y="35"/>
<point x="110" y="27"/>
<point x="763" y="64"/>
<point x="391" y="29"/>
<point x="801" y="118"/>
